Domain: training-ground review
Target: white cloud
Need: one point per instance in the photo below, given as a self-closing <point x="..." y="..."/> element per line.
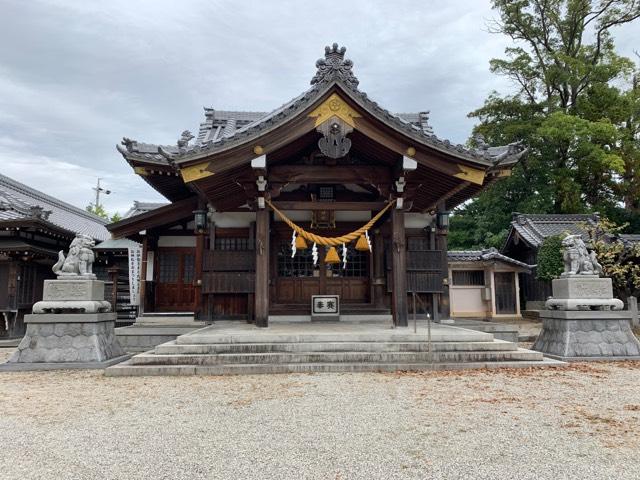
<point x="76" y="76"/>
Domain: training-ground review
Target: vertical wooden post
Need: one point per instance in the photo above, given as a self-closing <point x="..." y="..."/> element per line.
<point x="399" y="273"/>
<point x="197" y="281"/>
<point x="441" y="244"/>
<point x="261" y="295"/>
<point x="379" y="271"/>
<point x="143" y="276"/>
<point x="113" y="276"/>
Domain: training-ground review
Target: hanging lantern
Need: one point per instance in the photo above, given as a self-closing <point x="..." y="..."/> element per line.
<point x="301" y="244"/>
<point x="362" y="245"/>
<point x="332" y="256"/>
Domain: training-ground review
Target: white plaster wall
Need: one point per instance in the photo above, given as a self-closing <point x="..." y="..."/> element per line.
<point x="467" y="301"/>
<point x="232" y="219"/>
<point x="353" y="216"/>
<point x="149" y="266"/>
<point x="417" y="220"/>
<point x="176" y="241"/>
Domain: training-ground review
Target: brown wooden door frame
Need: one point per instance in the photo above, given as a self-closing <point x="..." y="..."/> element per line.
<point x="184" y="289"/>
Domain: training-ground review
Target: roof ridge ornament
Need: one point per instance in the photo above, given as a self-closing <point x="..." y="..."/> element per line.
<point x="334" y="67"/>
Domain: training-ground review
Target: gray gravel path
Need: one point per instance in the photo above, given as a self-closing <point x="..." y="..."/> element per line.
<point x="582" y="422"/>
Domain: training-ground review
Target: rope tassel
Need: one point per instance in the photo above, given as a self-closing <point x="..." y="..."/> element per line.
<point x="332" y="256"/>
<point x="362" y="245"/>
<point x="331" y="241"/>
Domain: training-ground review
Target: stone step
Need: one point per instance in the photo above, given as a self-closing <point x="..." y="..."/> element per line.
<point x="333" y="357"/>
<point x="127" y="369"/>
<point x="172" y="348"/>
<point x="398" y="335"/>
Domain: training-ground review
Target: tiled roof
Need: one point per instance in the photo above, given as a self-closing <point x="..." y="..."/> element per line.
<point x="116" y="244"/>
<point x="483" y="256"/>
<point x="142" y="207"/>
<point x="224" y="129"/>
<point x="534" y="228"/>
<point x="629" y="237"/>
<point x="18" y="201"/>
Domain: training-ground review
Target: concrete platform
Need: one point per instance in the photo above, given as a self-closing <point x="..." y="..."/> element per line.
<point x="231" y="348"/>
<point x="34" y="367"/>
<point x="140" y="338"/>
<point x="502" y="331"/>
<point x="237" y="332"/>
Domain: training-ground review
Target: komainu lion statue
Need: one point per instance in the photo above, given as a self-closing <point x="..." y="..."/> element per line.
<point x="79" y="260"/>
<point x="577" y="259"/>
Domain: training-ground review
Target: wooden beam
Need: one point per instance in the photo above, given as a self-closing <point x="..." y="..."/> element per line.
<point x="167" y="215"/>
<point x="349" y="206"/>
<point x="333" y="174"/>
<point x="447" y="196"/>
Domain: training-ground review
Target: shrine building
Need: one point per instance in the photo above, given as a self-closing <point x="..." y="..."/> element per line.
<point x="328" y="195"/>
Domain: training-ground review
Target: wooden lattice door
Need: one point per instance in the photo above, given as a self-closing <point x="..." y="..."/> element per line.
<point x="174" y="290"/>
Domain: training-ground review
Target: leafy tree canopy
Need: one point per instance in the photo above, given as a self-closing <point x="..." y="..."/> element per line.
<point x="100" y="211"/>
<point x="577" y="108"/>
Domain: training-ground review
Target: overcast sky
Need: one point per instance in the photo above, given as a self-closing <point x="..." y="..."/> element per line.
<point x="78" y="75"/>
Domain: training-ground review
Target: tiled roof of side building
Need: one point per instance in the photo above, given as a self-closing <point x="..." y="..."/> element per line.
<point x="534" y="228"/>
<point x="629" y="237"/>
<point x="18" y="200"/>
<point x="142" y="207"/>
<point x="483" y="255"/>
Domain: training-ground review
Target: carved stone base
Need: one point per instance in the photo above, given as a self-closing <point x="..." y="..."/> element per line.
<point x="583" y="292"/>
<point x="587" y="335"/>
<point x="83" y="338"/>
<point x="72" y="295"/>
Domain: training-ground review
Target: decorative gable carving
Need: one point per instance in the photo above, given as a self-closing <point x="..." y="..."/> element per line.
<point x="334" y="66"/>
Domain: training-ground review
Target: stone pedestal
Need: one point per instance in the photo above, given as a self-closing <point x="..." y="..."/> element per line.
<point x="587" y="335"/>
<point x="583" y="292"/>
<point x="77" y="330"/>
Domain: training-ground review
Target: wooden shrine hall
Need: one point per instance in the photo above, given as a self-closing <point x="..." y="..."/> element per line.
<point x="329" y="194"/>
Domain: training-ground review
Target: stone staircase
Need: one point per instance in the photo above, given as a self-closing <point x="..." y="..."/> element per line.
<point x="152" y="329"/>
<point x="209" y="351"/>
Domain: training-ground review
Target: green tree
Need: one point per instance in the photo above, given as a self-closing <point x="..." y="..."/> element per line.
<point x="550" y="263"/>
<point x="101" y="212"/>
<point x="620" y="260"/>
<point x="566" y="111"/>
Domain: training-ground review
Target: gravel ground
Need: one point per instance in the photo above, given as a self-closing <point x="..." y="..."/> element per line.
<point x="580" y="422"/>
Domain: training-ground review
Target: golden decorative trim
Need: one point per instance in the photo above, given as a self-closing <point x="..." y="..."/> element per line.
<point x="469" y="174"/>
<point x="334" y="106"/>
<point x="506" y="172"/>
<point x="195" y="172"/>
<point x="140" y="171"/>
<point x="258" y="150"/>
<point x="410" y="152"/>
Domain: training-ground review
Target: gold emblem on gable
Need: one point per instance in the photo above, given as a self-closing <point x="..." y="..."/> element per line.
<point x="334" y="106"/>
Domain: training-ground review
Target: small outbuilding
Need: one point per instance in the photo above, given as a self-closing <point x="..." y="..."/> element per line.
<point x="526" y="235"/>
<point x="34" y="227"/>
<point x="484" y="284"/>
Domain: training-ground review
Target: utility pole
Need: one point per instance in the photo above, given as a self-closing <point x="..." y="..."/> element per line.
<point x="98" y="189"/>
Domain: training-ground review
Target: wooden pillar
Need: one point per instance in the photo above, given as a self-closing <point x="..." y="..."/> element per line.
<point x="197" y="281"/>
<point x="379" y="271"/>
<point x="142" y="290"/>
<point x="113" y="277"/>
<point x="399" y="272"/>
<point x="261" y="296"/>
<point x="441" y="244"/>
